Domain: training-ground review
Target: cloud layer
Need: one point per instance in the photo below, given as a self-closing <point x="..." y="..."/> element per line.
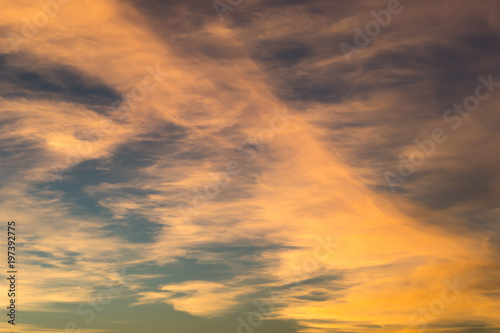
<point x="237" y="167"/>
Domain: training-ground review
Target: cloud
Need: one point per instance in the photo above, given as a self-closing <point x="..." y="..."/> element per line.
<point x="319" y="178"/>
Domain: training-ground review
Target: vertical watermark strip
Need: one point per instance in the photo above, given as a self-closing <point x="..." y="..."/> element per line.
<point x="11" y="273"/>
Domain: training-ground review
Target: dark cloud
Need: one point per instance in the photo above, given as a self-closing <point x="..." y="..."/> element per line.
<point x="281" y="53"/>
<point x="173" y="18"/>
<point x="33" y="78"/>
<point x="134" y="228"/>
<point x="41" y="254"/>
<point x="464" y="326"/>
<point x="183" y="269"/>
<point x="203" y="45"/>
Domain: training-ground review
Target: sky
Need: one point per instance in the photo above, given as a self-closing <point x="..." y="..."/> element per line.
<point x="252" y="166"/>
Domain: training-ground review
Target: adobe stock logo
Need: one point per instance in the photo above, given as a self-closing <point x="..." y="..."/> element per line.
<point x="40" y="19"/>
<point x="426" y="147"/>
<point x="220" y="180"/>
<point x="296" y="274"/>
<point x="117" y="285"/>
<point x="362" y="39"/>
<point x="221" y="7"/>
<point x="421" y="318"/>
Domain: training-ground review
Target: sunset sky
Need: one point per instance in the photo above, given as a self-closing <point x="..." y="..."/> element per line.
<point x="242" y="166"/>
